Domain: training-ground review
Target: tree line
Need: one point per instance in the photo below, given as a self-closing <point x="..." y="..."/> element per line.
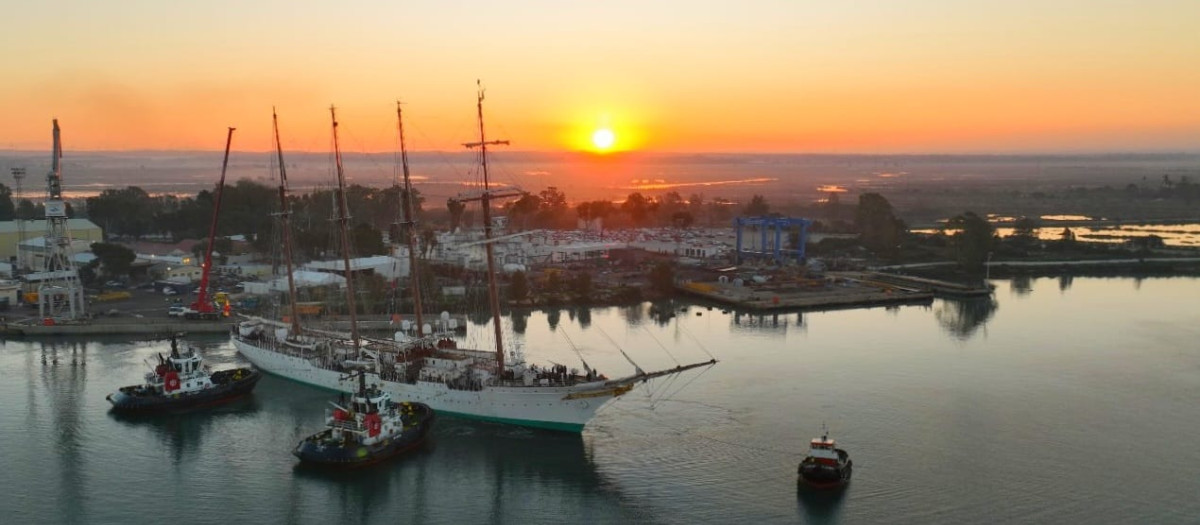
<point x="250" y="208"/>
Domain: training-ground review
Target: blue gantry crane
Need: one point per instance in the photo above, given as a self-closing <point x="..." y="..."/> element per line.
<point x="773" y="249"/>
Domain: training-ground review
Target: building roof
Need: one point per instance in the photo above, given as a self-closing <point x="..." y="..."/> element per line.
<point x="306" y="278"/>
<point x="183" y="247"/>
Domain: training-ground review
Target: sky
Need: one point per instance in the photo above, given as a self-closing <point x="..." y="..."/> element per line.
<point x="752" y="76"/>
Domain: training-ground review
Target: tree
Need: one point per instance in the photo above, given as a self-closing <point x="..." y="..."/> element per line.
<point x="973" y="239"/>
<point x="720" y="211"/>
<point x="456" y="208"/>
<point x="26" y="210"/>
<point x="246" y="208"/>
<point x="518" y="287"/>
<point x="1024" y="231"/>
<point x="682" y="219"/>
<point x="221" y="246"/>
<point x="8" y="211"/>
<point x="879" y="230"/>
<point x="367" y="240"/>
<point x="428" y="242"/>
<point x="553" y="209"/>
<point x="670" y="204"/>
<point x="115" y="260"/>
<point x="127" y="211"/>
<point x="553" y="283"/>
<point x="522" y="210"/>
<point x="581" y="286"/>
<point x="638" y="208"/>
<point x="662" y="278"/>
<point x="758" y="206"/>
<point x="1025" y="227"/>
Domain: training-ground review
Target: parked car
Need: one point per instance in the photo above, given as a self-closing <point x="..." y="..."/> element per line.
<point x="176" y="311"/>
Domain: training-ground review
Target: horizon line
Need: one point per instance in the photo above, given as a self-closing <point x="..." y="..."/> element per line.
<point x="979" y="153"/>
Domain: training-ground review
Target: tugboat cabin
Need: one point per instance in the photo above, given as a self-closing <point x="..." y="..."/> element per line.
<point x="824" y="450"/>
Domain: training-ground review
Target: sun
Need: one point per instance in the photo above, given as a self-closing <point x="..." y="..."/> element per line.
<point x="603" y="139"/>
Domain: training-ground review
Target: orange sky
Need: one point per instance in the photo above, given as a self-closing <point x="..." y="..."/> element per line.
<point x="671" y="76"/>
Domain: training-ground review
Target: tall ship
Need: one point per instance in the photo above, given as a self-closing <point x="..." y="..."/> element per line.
<point x="486" y="384"/>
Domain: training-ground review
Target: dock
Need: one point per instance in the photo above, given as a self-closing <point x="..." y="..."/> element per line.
<point x="123" y="326"/>
<point x="935" y="286"/>
<point x="835" y="293"/>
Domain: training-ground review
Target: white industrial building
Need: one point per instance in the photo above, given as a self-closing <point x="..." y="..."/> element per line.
<point x="385" y="266"/>
<point x="302" y="278"/>
<point x="535" y="247"/>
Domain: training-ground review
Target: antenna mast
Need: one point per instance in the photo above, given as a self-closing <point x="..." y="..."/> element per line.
<point x="493" y="295"/>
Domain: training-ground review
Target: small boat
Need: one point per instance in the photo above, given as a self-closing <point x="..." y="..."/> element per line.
<point x="826" y="466"/>
<point x="181" y="382"/>
<point x="371" y="429"/>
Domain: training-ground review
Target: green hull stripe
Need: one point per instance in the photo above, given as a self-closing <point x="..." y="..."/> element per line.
<point x="547" y="425"/>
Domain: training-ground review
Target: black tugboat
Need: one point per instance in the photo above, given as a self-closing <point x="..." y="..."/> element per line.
<point x="181" y="382"/>
<point x="826" y="467"/>
<point x="371" y="429"/>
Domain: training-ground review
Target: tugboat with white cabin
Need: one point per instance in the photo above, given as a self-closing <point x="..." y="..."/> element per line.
<point x="826" y="466"/>
<point x="370" y="429"/>
<point x="180" y="381"/>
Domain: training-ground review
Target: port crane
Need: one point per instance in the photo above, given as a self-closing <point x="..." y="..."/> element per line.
<point x="203" y="308"/>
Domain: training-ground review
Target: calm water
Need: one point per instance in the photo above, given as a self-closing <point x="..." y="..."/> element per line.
<point x="1063" y="401"/>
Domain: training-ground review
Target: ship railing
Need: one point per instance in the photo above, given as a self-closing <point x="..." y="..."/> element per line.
<point x="351" y="426"/>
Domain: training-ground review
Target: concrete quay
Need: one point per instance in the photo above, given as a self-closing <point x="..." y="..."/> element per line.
<point x="122" y="326"/>
<point x="836" y="294"/>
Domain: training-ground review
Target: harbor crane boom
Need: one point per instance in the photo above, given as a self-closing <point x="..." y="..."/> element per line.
<point x="203" y="307"/>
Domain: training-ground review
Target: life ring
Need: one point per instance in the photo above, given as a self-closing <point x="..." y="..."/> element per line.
<point x="171" y="382"/>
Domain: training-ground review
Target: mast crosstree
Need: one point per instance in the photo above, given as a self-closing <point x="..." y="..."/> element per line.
<point x="493" y="295"/>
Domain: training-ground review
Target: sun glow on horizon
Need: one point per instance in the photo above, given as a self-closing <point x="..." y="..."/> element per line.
<point x="603" y="139"/>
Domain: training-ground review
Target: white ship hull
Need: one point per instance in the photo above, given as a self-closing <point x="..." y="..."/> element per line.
<point x="541" y="407"/>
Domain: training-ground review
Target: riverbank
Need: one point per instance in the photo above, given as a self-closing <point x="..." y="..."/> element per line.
<point x="1131" y="266"/>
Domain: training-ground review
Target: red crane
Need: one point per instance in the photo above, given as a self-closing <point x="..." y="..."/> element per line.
<point x="203" y="308"/>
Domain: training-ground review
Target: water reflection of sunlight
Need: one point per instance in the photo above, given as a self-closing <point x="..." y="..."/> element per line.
<point x="1184" y="234"/>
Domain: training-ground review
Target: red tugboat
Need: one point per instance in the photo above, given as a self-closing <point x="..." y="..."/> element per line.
<point x="826" y="467"/>
<point x="181" y="382"/>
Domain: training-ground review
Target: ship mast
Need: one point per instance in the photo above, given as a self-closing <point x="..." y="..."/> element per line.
<point x="343" y="221"/>
<point x="493" y="296"/>
<point x="410" y="222"/>
<point x="285" y="219"/>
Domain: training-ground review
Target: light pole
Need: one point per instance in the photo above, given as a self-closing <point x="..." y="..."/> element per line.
<point x="987" y="270"/>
